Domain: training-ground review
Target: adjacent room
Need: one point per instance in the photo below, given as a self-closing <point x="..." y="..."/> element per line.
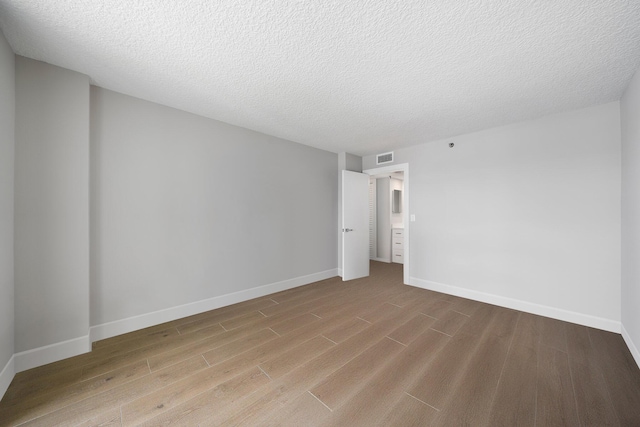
<point x="319" y="213"/>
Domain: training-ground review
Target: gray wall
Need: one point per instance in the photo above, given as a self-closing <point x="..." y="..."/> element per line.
<point x="630" y="120"/>
<point x="7" y="146"/>
<point x="529" y="213"/>
<point x="51" y="205"/>
<point x="186" y="208"/>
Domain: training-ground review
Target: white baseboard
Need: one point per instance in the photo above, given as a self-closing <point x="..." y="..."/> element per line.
<point x="118" y="327"/>
<point x="632" y="347"/>
<point x="6" y="376"/>
<point x="387" y="260"/>
<point x="529" y="307"/>
<point x="51" y="353"/>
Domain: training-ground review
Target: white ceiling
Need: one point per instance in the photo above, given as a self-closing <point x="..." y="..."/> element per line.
<point x="361" y="76"/>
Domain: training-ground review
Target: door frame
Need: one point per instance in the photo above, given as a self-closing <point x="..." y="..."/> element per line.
<point x="401" y="167"/>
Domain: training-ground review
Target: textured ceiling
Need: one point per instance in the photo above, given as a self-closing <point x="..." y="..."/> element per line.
<point x="361" y="76"/>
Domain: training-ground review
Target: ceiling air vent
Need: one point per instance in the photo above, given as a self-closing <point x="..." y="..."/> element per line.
<point x="383" y="158"/>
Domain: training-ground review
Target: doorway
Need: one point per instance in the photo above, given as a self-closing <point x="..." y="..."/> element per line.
<point x="382" y="242"/>
<point x="386" y="225"/>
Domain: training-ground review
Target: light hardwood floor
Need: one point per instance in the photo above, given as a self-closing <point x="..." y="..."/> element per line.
<point x="366" y="352"/>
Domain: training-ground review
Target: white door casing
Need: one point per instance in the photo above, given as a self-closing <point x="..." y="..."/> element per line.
<point x="401" y="167"/>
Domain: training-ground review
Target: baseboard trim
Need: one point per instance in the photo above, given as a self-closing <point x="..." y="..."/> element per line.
<point x="529" y="307"/>
<point x="51" y="353"/>
<point x="6" y="376"/>
<point x="118" y="327"/>
<point x="632" y="347"/>
<point x="387" y="260"/>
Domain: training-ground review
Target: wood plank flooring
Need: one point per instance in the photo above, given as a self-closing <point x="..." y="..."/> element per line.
<point x="366" y="352"/>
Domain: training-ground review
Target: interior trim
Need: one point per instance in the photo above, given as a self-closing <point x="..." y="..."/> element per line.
<point x="123" y="326"/>
<point x="51" y="353"/>
<point x="529" y="307"/>
<point x="632" y="347"/>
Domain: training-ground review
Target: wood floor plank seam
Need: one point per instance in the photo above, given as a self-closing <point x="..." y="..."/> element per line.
<point x="502" y="370"/>
<point x="274" y="332"/>
<point x="345" y="381"/>
<point x="440" y="332"/>
<point x="402" y="344"/>
<point x="261" y="369"/>
<point x="573" y="388"/>
<point x="423" y="402"/>
<point x="328" y="339"/>
<point x="371" y="351"/>
<point x="610" y="398"/>
<point x="459" y="312"/>
<point x="258" y="366"/>
<point x="238" y="373"/>
<point x="318" y="399"/>
<point x="205" y="360"/>
<point x="302" y="373"/>
<point x="391" y="383"/>
<point x="91" y="404"/>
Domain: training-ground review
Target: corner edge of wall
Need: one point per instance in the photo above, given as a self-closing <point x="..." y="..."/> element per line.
<point x="632" y="346"/>
<point x="51" y="353"/>
<point x="6" y="376"/>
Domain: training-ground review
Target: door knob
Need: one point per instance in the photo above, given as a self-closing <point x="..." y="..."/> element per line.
<point x="346" y="230"/>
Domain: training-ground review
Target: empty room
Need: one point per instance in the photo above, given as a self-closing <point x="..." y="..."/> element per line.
<point x="319" y="213"/>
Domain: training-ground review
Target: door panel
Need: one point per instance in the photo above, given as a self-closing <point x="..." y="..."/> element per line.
<point x="355" y="223"/>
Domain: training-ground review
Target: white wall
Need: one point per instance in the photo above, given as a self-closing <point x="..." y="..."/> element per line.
<point x="630" y="123"/>
<point x="51" y="211"/>
<point x="7" y="147"/>
<point x="526" y="215"/>
<point x="187" y="209"/>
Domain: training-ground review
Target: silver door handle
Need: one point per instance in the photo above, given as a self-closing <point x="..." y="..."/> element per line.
<point x="346" y="230"/>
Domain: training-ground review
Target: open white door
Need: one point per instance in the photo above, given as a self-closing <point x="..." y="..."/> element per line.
<point x="355" y="223"/>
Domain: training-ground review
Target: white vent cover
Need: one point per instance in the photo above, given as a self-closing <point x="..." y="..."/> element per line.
<point x="383" y="158"/>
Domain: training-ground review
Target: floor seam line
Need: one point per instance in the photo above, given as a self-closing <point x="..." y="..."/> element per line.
<point x="443" y="333"/>
<point x="274" y="332"/>
<point x="263" y="371"/>
<point x="459" y="312"/>
<point x="421" y="401"/>
<point x="329" y="339"/>
<point x="387" y="336"/>
<point x="318" y="399"/>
